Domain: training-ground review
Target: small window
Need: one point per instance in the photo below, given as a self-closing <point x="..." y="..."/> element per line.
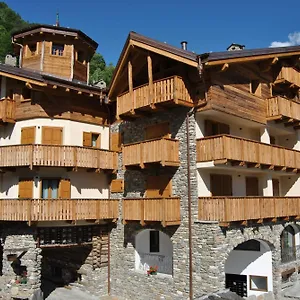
<point x="91" y="139"/>
<point x="95" y="140"/>
<point x="58" y="49"/>
<point x="154" y="241"/>
<point x="50" y="188"/>
<point x="80" y="56"/>
<point x="258" y="283"/>
<point x="32" y="49"/>
<point x="255" y="87"/>
<point x="26" y="93"/>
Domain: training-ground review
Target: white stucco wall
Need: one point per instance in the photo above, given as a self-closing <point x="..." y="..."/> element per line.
<point x="72" y="131"/>
<point x="259" y="263"/>
<point x="83" y="184"/>
<point x="144" y="258"/>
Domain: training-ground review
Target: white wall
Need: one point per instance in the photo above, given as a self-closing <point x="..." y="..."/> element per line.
<point x="144" y="258"/>
<point x="290" y="186"/>
<point x="72" y="131"/>
<point x="242" y="262"/>
<point x="83" y="184"/>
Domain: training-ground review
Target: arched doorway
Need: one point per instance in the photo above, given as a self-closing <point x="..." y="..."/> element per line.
<point x="153" y="248"/>
<point x="289" y="241"/>
<point x="248" y="268"/>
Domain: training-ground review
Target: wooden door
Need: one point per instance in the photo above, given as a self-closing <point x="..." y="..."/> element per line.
<point x="252" y="186"/>
<point x="221" y="185"/>
<point x="158" y="186"/>
<point x="25" y="188"/>
<point x="215" y="128"/>
<point x="52" y="135"/>
<point x="28" y="135"/>
<point x="276" y="187"/>
<point x="115" y="141"/>
<point x="157" y="131"/>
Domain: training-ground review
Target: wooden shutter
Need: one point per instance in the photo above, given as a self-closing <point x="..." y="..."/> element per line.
<point x="87" y="139"/>
<point x="117" y="186"/>
<point x="252" y="186"/>
<point x="276" y="187"/>
<point x="158" y="186"/>
<point x="28" y="135"/>
<point x="26" y="188"/>
<point x="65" y="189"/>
<point x="221" y="185"/>
<point x="99" y="140"/>
<point x="157" y="131"/>
<point x="52" y="135"/>
<point x="57" y="136"/>
<point x="115" y="141"/>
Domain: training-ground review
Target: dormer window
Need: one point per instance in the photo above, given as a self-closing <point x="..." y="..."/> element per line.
<point x="58" y="49"/>
<point x="80" y="56"/>
<point x="32" y="49"/>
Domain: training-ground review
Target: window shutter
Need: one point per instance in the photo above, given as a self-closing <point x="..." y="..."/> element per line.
<point x="65" y="189"/>
<point x="28" y="135"/>
<point x="159" y="186"/>
<point x="99" y="141"/>
<point x="157" y="131"/>
<point x="26" y="188"/>
<point x="46" y="135"/>
<point x="221" y="185"/>
<point x="56" y="136"/>
<point x="252" y="186"/>
<point x="52" y="135"/>
<point x="87" y="139"/>
<point x="115" y="141"/>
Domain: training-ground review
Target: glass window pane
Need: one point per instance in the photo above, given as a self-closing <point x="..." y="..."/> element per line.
<point x="45" y="189"/>
<point x="54" y="188"/>
<point x="94" y="140"/>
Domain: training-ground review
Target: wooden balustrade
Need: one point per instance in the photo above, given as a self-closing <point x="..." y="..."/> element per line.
<point x="57" y="209"/>
<point x="279" y="108"/>
<point x="167" y="90"/>
<point x="57" y="156"/>
<point x="164" y="151"/>
<point x="164" y="210"/>
<point x="7" y="110"/>
<point x="226" y="148"/>
<point x="290" y="75"/>
<point x="233" y="209"/>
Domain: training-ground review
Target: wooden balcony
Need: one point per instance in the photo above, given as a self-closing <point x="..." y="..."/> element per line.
<point x="57" y="156"/>
<point x="164" y="151"/>
<point x="168" y="91"/>
<point x="283" y="110"/>
<point x="241" y="209"/>
<point x="7" y="111"/>
<point x="235" y="151"/>
<point x="288" y="75"/>
<point x="58" y="209"/>
<point x="144" y="210"/>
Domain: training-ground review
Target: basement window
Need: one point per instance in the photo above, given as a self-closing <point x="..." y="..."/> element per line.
<point x="258" y="283"/>
<point x="58" y="49"/>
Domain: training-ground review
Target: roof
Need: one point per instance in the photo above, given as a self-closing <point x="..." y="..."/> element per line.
<point x="42" y="78"/>
<point x="50" y="28"/>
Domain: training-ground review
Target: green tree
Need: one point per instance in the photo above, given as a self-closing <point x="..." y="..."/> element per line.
<point x="99" y="70"/>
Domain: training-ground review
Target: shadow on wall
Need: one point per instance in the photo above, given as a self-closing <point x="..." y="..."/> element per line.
<point x="88" y="182"/>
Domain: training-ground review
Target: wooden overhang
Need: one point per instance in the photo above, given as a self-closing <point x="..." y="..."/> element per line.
<point x="135" y="40"/>
<point x="37" y="80"/>
<point x="50" y="29"/>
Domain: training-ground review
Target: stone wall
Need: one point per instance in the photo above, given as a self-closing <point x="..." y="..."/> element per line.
<point x="125" y="280"/>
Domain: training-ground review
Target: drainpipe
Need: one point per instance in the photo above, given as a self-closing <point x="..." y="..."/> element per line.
<point x="21" y="51"/>
<point x="108" y="265"/>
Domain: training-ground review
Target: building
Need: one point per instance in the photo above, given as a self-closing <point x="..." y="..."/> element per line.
<point x="210" y="170"/>
<point x="56" y="165"/>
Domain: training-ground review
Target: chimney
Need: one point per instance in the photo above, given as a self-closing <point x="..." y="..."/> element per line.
<point x="184" y="45"/>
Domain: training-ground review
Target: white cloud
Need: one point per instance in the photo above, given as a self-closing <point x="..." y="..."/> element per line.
<point x="293" y="40"/>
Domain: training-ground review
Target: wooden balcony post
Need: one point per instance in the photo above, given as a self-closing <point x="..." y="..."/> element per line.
<point x="75" y="157"/>
<point x="142" y="146"/>
<point x="142" y="212"/>
<point x="130" y="83"/>
<point x="98" y="209"/>
<point x="175" y="92"/>
<point x="150" y="78"/>
<point x="29" y="211"/>
<point x="163" y="210"/>
<point x="4" y="110"/>
<point x="31" y="156"/>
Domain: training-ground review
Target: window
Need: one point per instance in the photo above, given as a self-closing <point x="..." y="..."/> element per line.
<point x="50" y="188"/>
<point x="32" y="49"/>
<point x="58" y="49"/>
<point x="154" y="241"/>
<point x="91" y="139"/>
<point x="95" y="138"/>
<point x="255" y="87"/>
<point x="80" y="56"/>
<point x="258" y="283"/>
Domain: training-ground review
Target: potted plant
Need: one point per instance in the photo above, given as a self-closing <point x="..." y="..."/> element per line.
<point x="152" y="270"/>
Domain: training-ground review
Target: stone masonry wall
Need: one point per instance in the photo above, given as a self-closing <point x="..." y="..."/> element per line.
<point x="125" y="280"/>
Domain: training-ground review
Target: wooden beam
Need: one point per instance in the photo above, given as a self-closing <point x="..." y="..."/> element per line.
<point x="39" y="83"/>
<point x="130" y="80"/>
<point x="67" y="90"/>
<point x="28" y="85"/>
<point x="150" y="73"/>
<point x="224" y="68"/>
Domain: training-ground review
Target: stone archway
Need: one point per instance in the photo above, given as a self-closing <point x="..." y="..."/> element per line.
<point x="153" y="248"/>
<point x="248" y="268"/>
<point x="290" y="243"/>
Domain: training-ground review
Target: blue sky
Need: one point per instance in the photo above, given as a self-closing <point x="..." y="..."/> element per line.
<point x="206" y="25"/>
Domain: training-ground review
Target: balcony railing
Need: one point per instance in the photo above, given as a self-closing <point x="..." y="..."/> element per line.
<point x="57" y="209"/>
<point x="279" y="107"/>
<point x="7" y="110"/>
<point x="233" y="209"/>
<point x="164" y="210"/>
<point x="164" y="151"/>
<point x="57" y="156"/>
<point x="226" y="148"/>
<point x="167" y="90"/>
<point x="290" y="75"/>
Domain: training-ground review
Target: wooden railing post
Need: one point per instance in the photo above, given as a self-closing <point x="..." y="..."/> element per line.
<point x="31" y="157"/>
<point x="142" y="164"/>
<point x="4" y="110"/>
<point x="75" y="157"/>
<point x="29" y="211"/>
<point x="163" y="209"/>
<point x="142" y="201"/>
